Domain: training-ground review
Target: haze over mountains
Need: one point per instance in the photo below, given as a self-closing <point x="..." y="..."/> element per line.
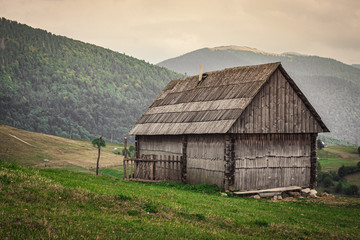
<point x="332" y="87"/>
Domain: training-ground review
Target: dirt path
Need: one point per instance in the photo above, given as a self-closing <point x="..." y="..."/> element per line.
<point x="20" y="139"/>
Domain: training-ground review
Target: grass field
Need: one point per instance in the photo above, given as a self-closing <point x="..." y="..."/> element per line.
<point x="333" y="157"/>
<point x="30" y="149"/>
<point x="54" y="203"/>
<point x="59" y="199"/>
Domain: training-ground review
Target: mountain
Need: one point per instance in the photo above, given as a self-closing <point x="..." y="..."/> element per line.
<point x="331" y="86"/>
<point x="56" y="85"/>
<point x="356" y="65"/>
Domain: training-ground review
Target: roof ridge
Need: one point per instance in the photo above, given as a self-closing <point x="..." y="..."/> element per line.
<point x="235" y="68"/>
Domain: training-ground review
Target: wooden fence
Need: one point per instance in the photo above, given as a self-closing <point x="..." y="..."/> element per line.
<point x="152" y="168"/>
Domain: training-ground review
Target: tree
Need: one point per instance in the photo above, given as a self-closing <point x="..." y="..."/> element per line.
<point x="128" y="152"/>
<point x="98" y="142"/>
<point x="339" y="187"/>
<point x="342" y="171"/>
<point x="320" y="144"/>
<point x="352" y="190"/>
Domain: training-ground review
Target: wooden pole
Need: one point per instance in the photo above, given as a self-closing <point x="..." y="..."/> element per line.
<point x="137" y="147"/>
<point x="313" y="161"/>
<point x="154" y="167"/>
<point x="229" y="163"/>
<point x="125" y="145"/>
<point x="124" y="165"/>
<point x="183" y="163"/>
<point x="97" y="162"/>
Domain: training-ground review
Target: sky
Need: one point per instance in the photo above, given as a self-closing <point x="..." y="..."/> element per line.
<point x="155" y="30"/>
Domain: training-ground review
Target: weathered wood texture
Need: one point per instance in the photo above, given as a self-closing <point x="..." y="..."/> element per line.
<point x="271" y="160"/>
<point x="160" y="145"/>
<point x="186" y="106"/>
<point x="212" y="106"/>
<point x="184" y="159"/>
<point x="165" y="168"/>
<point x="229" y="162"/>
<point x="277" y="108"/>
<point x="205" y="159"/>
<point x="313" y="160"/>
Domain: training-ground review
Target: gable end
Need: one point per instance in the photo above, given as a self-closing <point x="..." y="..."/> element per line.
<point x="279" y="107"/>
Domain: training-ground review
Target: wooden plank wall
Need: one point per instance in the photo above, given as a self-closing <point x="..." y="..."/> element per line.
<point x="205" y="159"/>
<point x="271" y="160"/>
<point x="160" y="145"/>
<point x="276" y="109"/>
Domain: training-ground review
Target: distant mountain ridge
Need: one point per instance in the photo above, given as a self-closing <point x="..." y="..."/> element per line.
<point x="331" y="86"/>
<point x="56" y="85"/>
<point x="356" y="65"/>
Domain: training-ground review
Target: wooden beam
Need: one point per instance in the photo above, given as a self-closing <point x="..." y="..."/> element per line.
<point x="282" y="189"/>
<point x="229" y="162"/>
<point x="183" y="163"/>
<point x="313" y="160"/>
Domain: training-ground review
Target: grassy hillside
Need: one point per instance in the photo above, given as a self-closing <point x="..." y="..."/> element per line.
<point x="331" y="86"/>
<point x="38" y="204"/>
<point x="333" y="157"/>
<point x="52" y="202"/>
<point x="56" y="85"/>
<point x="30" y="149"/>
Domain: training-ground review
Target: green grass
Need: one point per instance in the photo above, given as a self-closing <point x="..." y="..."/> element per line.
<point x="333" y="157"/>
<point x="54" y="203"/>
<point x="117" y="172"/>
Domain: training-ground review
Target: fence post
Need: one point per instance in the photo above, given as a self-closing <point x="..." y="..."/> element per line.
<point x="178" y="172"/>
<point x="125" y="170"/>
<point x="131" y="167"/>
<point x="125" y="145"/>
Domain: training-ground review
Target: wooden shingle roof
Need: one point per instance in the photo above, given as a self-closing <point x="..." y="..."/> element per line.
<point x="211" y="106"/>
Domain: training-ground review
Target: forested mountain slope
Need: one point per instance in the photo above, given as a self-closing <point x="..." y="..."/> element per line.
<point x="56" y="85"/>
<point x="332" y="87"/>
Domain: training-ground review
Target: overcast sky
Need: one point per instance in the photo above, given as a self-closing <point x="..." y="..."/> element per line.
<point x="155" y="30"/>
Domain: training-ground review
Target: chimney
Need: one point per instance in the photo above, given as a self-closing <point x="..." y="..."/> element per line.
<point x="200" y="72"/>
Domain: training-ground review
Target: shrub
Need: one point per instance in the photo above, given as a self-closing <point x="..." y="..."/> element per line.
<point x="339" y="187"/>
<point x="352" y="190"/>
<point x="334" y="176"/>
<point x="341" y="171"/>
<point x="128" y="152"/>
<point x="328" y="182"/>
<point x="132" y="148"/>
<point x="318" y="167"/>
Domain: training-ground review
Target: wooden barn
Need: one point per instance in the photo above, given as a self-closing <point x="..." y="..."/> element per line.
<point x="243" y="128"/>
